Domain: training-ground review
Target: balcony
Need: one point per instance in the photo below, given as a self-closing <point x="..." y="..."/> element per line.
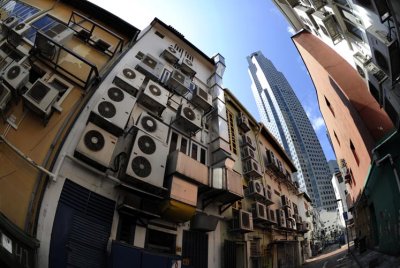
<point x="186" y="167"/>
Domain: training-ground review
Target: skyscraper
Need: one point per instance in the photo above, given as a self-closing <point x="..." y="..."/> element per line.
<point x="283" y="115"/>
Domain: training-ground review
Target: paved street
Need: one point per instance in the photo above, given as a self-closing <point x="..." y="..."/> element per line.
<point x="332" y="257"/>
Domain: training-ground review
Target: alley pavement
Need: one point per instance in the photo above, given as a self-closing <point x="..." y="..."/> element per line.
<point x="336" y="256"/>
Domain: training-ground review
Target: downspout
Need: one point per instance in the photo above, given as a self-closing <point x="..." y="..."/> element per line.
<point x="396" y="174"/>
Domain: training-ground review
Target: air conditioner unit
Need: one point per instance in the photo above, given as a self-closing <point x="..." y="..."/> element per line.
<point x="187" y="67"/>
<point x="96" y="147"/>
<point x="147" y="161"/>
<point x="361" y="62"/>
<point x="178" y="82"/>
<point x="392" y="103"/>
<point x="242" y="221"/>
<point x="280" y="215"/>
<point x="5" y="97"/>
<point x="289" y="224"/>
<point x="317" y="4"/>
<point x="113" y="110"/>
<point x="40" y="98"/>
<point x="271" y="215"/>
<point x="247" y="152"/>
<point x="256" y="189"/>
<point x="188" y="117"/>
<point x="328" y="25"/>
<point x="259" y="211"/>
<point x="251" y="169"/>
<point x="376" y="78"/>
<point x="243" y="122"/>
<point x="285" y="201"/>
<point x="305" y="13"/>
<point x="59" y="33"/>
<point x="15" y="35"/>
<point x="171" y="55"/>
<point x="8" y="24"/>
<point x="385" y="53"/>
<point x="154" y="97"/>
<point x="288" y="212"/>
<point x="152" y="126"/>
<point x="129" y="80"/>
<point x="201" y="99"/>
<point x="268" y="194"/>
<point x="247" y="141"/>
<point x="15" y="76"/>
<point x="150" y="66"/>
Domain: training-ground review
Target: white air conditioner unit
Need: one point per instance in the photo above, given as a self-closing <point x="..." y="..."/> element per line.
<point x="59" y="33"/>
<point x="8" y="24"/>
<point x="361" y="62"/>
<point x="113" y="110"/>
<point x="268" y="194"/>
<point x="147" y="161"/>
<point x="178" y="82"/>
<point x="15" y="76"/>
<point x="243" y="122"/>
<point x="280" y="215"/>
<point x="247" y="141"/>
<point x="285" y="201"/>
<point x="96" y="147"/>
<point x="188" y="117"/>
<point x="154" y="97"/>
<point x="288" y="212"/>
<point x="317" y="4"/>
<point x="376" y="78"/>
<point x="271" y="214"/>
<point x="242" y="221"/>
<point x="201" y="99"/>
<point x="251" y="169"/>
<point x="129" y="80"/>
<point x="328" y="25"/>
<point x="15" y="35"/>
<point x="247" y="152"/>
<point x="150" y="66"/>
<point x="171" y="55"/>
<point x="40" y="98"/>
<point x="5" y="97"/>
<point x="256" y="189"/>
<point x="187" y="67"/>
<point x="259" y="211"/>
<point x="152" y="126"/>
<point x="289" y="224"/>
<point x="305" y="13"/>
<point x="385" y="53"/>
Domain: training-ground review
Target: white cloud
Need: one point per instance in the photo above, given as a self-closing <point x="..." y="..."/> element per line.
<point x="317" y="123"/>
<point x="290" y="30"/>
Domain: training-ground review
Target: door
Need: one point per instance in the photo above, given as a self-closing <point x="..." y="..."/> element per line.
<point x="81" y="228"/>
<point x="195" y="250"/>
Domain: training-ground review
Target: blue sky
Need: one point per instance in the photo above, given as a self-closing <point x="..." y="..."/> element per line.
<point x="235" y="29"/>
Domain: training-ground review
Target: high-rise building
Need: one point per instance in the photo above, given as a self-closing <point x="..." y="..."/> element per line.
<point x="282" y="113"/>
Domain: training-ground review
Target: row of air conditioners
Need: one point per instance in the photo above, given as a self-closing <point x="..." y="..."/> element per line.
<point x="177" y="82"/>
<point x="256" y="189"/>
<point x="319" y="20"/>
<point x="174" y="57"/>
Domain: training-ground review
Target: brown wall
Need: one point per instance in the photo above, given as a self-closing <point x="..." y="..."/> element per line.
<point x="357" y="116"/>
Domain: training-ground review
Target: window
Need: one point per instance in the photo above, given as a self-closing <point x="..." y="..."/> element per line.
<point x="354" y="30"/>
<point x="202" y="156"/>
<point x="336" y="137"/>
<point x="353" y="150"/>
<point x="159" y="241"/>
<point x="173" y="142"/>
<point x="184" y="145"/>
<point x="194" y="151"/>
<point x="231" y="132"/>
<point x="329" y="106"/>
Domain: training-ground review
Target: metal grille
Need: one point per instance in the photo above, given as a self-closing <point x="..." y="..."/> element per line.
<point x="195" y="249"/>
